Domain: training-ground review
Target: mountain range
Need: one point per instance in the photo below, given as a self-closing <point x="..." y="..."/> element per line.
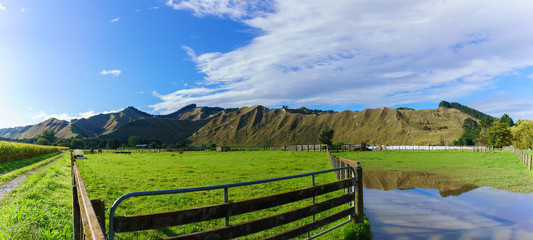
<point x="258" y="125"/>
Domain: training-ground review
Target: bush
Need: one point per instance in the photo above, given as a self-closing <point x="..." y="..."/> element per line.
<point x="359" y="231"/>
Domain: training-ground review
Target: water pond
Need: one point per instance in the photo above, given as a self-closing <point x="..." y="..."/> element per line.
<point x="404" y="205"/>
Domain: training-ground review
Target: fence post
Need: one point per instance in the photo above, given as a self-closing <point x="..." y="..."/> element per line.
<point x="99" y="210"/>
<point x="359" y="207"/>
<point x="76" y="217"/>
<point x="530" y="162"/>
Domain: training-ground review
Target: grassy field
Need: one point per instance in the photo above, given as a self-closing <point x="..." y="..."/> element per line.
<point x="40" y="208"/>
<point x="501" y="169"/>
<point x="108" y="176"/>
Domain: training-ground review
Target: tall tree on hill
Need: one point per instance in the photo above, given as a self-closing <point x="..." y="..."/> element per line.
<point x="325" y="136"/>
<point x="507" y="120"/>
<point x="485" y="123"/>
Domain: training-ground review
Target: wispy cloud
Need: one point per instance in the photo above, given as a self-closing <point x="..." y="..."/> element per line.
<point x="115" y="20"/>
<point x="114" y="72"/>
<point x="2" y="7"/>
<point x="516" y="107"/>
<point x="41" y="116"/>
<point x="234" y="9"/>
<point x="379" y="53"/>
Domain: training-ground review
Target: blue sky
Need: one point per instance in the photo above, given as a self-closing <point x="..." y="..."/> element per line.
<point x="71" y="59"/>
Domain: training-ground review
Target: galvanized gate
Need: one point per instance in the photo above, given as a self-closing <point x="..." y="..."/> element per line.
<point x="351" y="183"/>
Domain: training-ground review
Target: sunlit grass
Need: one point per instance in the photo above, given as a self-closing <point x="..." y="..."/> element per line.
<point x="108" y="176"/>
<point x="40" y="208"/>
<point x="501" y="169"/>
<point x="20" y="167"/>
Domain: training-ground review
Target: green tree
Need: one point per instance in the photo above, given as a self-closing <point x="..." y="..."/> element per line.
<point x="134" y="141"/>
<point x="48" y="135"/>
<point x="444" y="104"/>
<point x="485" y="123"/>
<point x="469" y="124"/>
<point x="76" y="144"/>
<point x="523" y="134"/>
<point x="325" y="136"/>
<point x="182" y="143"/>
<point x="499" y="135"/>
<point x="154" y="145"/>
<point x="115" y="144"/>
<point x="43" y="141"/>
<point x="507" y="120"/>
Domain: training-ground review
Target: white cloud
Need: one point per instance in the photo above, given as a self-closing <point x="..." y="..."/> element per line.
<point x="115" y="20"/>
<point x="114" y="72"/>
<point x="23" y="9"/>
<point x="516" y="107"/>
<point x="234" y="9"/>
<point x="2" y="7"/>
<point x="376" y="53"/>
<point x="41" y="116"/>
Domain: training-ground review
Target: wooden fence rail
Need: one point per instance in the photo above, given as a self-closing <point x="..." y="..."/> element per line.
<point x="527" y="159"/>
<point x="225" y="210"/>
<point x="86" y="222"/>
<point x="337" y="162"/>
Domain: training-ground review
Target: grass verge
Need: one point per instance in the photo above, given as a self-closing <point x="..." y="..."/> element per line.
<point x="41" y="207"/>
<point x="24" y="166"/>
<point x="501" y="169"/>
<point x="108" y="176"/>
<point x="10" y="166"/>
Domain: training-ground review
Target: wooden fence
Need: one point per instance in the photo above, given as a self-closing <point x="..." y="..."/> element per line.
<point x="88" y="216"/>
<point x="337" y="162"/>
<point x="527" y="159"/>
<point x="351" y="184"/>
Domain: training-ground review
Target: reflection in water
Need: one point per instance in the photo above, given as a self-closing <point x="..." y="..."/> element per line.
<point x="448" y="211"/>
<point x="388" y="180"/>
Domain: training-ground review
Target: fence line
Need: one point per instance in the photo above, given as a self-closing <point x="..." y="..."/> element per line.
<point x="343" y="162"/>
<point x="432" y="148"/>
<point x="526" y="158"/>
<point x="88" y="216"/>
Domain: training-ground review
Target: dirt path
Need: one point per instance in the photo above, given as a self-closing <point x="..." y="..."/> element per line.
<point x="6" y="188"/>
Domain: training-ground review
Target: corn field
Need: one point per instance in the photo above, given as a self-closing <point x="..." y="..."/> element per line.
<point x="16" y="151"/>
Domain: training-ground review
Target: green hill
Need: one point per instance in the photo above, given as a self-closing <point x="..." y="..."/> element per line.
<point x="163" y="129"/>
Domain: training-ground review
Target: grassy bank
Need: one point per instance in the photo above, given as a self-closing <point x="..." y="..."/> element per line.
<point x="141" y="172"/>
<point x="20" y="167"/>
<point x="501" y="169"/>
<point x="40" y="208"/>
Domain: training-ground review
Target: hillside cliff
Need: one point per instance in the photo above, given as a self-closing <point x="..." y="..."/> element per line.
<point x="258" y="125"/>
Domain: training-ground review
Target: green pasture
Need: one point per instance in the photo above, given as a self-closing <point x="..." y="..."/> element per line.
<point x="108" y="176"/>
<point x="501" y="169"/>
